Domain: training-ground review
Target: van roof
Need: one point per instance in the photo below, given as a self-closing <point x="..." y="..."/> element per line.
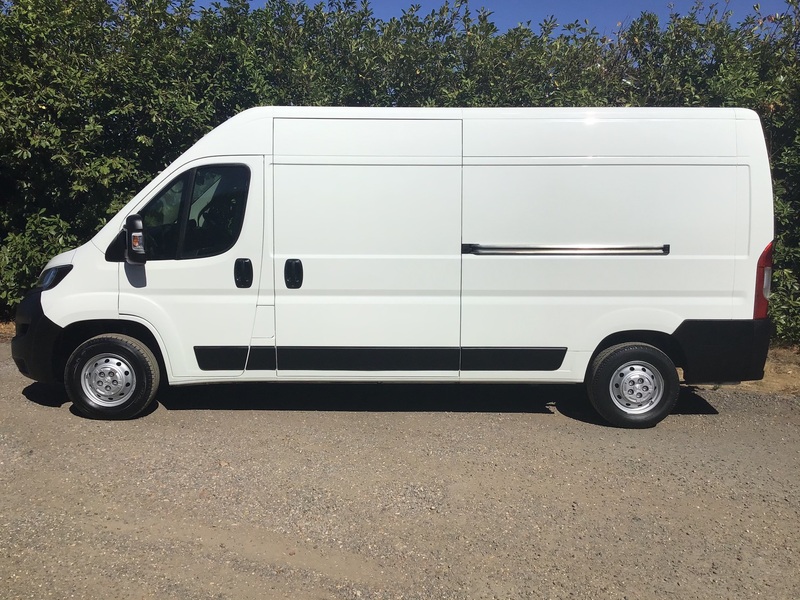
<point x="250" y="132"/>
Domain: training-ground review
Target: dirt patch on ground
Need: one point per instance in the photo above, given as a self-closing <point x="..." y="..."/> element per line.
<point x="6" y="331"/>
<point x="380" y="492"/>
<point x="781" y="374"/>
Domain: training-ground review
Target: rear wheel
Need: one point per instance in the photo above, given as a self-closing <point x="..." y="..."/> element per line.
<point x="633" y="385"/>
<point x="111" y="377"/>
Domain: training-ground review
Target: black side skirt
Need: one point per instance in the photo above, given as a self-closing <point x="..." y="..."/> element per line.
<point x="295" y="358"/>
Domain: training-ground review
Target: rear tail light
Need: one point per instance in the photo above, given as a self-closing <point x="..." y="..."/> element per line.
<point x="763" y="283"/>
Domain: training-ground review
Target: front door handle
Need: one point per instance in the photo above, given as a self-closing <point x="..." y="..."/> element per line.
<point x="243" y="273"/>
<point x="293" y="273"/>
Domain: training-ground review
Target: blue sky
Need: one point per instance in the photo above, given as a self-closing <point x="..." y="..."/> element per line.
<point x="604" y="15"/>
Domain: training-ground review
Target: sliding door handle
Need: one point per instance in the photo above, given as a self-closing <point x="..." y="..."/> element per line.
<point x="293" y="273"/>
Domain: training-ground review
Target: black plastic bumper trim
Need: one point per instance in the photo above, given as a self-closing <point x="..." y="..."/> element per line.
<point x="419" y="359"/>
<point x="344" y="358"/>
<point x="221" y="358"/>
<point x="261" y="359"/>
<point x="295" y="358"/>
<point x="35" y="345"/>
<point x="512" y="359"/>
<point x="721" y="351"/>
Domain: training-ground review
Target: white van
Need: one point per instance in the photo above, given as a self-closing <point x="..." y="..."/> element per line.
<point x="598" y="245"/>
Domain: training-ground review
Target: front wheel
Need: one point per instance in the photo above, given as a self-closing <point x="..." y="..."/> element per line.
<point x="111" y="377"/>
<point x="633" y="385"/>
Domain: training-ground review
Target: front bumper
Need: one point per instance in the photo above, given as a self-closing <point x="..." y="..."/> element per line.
<point x="34" y="347"/>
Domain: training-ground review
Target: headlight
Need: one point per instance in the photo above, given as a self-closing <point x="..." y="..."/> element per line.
<point x="50" y="278"/>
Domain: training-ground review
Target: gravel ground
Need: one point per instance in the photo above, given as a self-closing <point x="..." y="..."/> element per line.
<point x="397" y="491"/>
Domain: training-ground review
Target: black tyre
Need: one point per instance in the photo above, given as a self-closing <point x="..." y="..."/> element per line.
<point x="111" y="377"/>
<point x="633" y="385"/>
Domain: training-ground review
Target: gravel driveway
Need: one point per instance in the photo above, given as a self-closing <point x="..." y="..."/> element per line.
<point x="397" y="491"/>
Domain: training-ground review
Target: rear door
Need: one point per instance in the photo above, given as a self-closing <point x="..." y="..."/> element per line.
<point x="367" y="247"/>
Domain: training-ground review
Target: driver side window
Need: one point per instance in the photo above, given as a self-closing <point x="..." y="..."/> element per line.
<point x="198" y="214"/>
<point x="161" y="218"/>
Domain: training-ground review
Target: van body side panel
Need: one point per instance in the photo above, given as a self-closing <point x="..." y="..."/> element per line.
<point x="374" y="219"/>
<point x="89" y="292"/>
<point x="365" y="140"/>
<point x="595" y="245"/>
<point x="599" y="133"/>
<point x="744" y="265"/>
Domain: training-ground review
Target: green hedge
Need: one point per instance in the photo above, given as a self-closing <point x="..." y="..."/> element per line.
<point x="98" y="96"/>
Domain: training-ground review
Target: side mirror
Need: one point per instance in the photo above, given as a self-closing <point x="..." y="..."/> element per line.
<point x="134" y="240"/>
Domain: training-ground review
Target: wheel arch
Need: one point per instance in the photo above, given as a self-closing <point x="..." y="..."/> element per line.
<point x="77" y="333"/>
<point x="658" y="339"/>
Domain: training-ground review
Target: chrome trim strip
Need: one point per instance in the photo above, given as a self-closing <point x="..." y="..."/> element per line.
<point x="481" y="250"/>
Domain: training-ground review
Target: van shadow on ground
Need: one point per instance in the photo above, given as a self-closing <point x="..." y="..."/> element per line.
<point x="569" y="400"/>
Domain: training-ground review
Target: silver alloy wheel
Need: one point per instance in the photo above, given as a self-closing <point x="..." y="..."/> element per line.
<point x="108" y="379"/>
<point x="636" y="387"/>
